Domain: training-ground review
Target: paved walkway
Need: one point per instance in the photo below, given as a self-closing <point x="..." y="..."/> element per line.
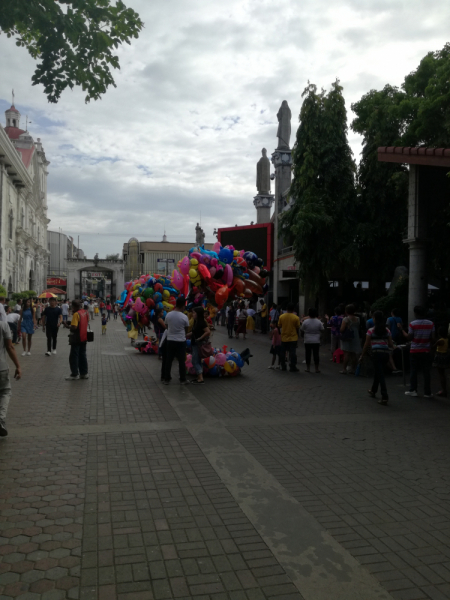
<point x="269" y="485"/>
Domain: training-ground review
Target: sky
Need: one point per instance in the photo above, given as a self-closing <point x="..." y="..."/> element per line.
<point x="177" y="141"/>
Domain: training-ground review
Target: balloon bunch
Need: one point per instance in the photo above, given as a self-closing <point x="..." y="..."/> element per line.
<point x="221" y="363"/>
<point x="220" y="274"/>
<point x="143" y="296"/>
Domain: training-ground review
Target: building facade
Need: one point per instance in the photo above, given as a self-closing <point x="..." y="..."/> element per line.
<point x="61" y="247"/>
<point x="153" y="257"/>
<point x="23" y="208"/>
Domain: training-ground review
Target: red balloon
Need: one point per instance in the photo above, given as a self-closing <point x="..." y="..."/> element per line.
<point x="172" y="300"/>
<point x="238" y="285"/>
<point x="158" y="287"/>
<point x="204" y="272"/>
<point x="144" y="321"/>
<point x="221" y="295"/>
<point x="150" y="303"/>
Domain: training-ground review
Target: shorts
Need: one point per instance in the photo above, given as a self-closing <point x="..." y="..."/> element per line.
<point x="65" y="317"/>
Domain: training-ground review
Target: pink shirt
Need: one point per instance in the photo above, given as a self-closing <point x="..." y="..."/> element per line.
<point x="276" y="337"/>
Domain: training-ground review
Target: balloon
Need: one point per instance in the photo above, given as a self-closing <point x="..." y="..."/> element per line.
<point x="217" y="247"/>
<point x="226" y="255"/>
<point x="209" y="362"/>
<point x="150" y="303"/>
<point x="193" y="273"/>
<point x="221" y="295"/>
<point x="238" y="285"/>
<point x="214" y="372"/>
<point x="221" y="359"/>
<point x="166" y="294"/>
<point x="157" y="297"/>
<point x="204" y="272"/>
<point x="158" y="287"/>
<point x="177" y="280"/>
<point x="144" y="321"/>
<point x="230" y="366"/>
<point x="228" y="275"/>
<point x="184" y="265"/>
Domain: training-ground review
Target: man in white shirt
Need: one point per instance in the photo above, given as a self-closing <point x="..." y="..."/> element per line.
<point x="18" y="306"/>
<point x="12" y="319"/>
<point x="65" y="311"/>
<point x="2" y="309"/>
<point x="5" y="383"/>
<point x="177" y="325"/>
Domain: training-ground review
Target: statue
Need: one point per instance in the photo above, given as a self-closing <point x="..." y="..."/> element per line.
<point x="284" y="126"/>
<point x="263" y="174"/>
<point x="199" y="235"/>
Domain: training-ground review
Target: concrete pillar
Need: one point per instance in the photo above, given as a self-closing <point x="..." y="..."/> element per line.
<point x="263" y="204"/>
<point x="418" y="282"/>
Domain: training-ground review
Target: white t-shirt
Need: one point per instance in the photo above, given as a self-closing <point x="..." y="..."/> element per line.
<point x="251" y="312"/>
<point x="17" y="308"/>
<point x="176" y="323"/>
<point x="5" y="334"/>
<point x="312" y="329"/>
<point x="65" y="309"/>
<point x="2" y="313"/>
<point x="13" y="317"/>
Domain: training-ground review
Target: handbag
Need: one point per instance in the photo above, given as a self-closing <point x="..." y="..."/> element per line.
<point x="90" y="334"/>
<point x="205" y="350"/>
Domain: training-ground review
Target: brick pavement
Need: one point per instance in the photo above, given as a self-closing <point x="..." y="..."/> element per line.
<point x="123" y="474"/>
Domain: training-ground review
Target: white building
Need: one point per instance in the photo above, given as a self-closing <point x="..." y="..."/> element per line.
<point x="23" y="208"/>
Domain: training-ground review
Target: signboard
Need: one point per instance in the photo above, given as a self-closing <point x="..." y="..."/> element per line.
<point x="257" y="238"/>
<point x="56" y="281"/>
<point x="164" y="263"/>
<point x="94" y="274"/>
<point x="107" y="281"/>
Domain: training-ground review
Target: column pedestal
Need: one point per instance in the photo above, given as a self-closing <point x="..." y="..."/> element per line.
<point x="263" y="204"/>
<point x="418" y="282"/>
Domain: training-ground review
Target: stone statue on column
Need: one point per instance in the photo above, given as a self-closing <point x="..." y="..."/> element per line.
<point x="199" y="235"/>
<point x="284" y="116"/>
<point x="263" y="174"/>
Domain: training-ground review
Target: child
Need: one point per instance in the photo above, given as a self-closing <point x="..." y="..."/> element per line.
<point x="442" y="360"/>
<point x="104" y="321"/>
<point x="250" y="320"/>
<point x="275" y="349"/>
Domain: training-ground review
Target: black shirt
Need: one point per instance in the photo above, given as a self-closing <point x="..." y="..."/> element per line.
<point x="52" y="316"/>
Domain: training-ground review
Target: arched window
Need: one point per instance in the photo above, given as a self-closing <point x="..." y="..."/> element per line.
<point x="11" y="224"/>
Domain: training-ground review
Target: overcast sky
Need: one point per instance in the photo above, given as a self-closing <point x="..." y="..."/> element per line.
<point x="196" y="100"/>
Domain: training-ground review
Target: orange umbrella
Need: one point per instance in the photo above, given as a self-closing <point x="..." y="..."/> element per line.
<point x="55" y="290"/>
<point x="47" y="295"/>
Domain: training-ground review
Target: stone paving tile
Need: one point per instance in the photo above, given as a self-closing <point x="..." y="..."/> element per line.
<point x="381" y="489"/>
<point x="159" y="523"/>
<point x="41" y="517"/>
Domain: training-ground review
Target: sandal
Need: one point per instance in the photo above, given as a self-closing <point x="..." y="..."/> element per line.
<point x="197" y="382"/>
<point x="371" y="394"/>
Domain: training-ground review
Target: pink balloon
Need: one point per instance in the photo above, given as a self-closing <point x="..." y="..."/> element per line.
<point x="212" y="270"/>
<point x="185" y="265"/>
<point x="221" y="359"/>
<point x="217" y="247"/>
<point x="196" y="255"/>
<point x="177" y="280"/>
<point x="214" y="262"/>
<point x="228" y="275"/>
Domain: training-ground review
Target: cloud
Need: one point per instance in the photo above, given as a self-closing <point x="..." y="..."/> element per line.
<point x="196" y="100"/>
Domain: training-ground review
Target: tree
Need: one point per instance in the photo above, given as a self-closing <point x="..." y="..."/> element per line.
<point x="418" y="113"/>
<point x="75" y="40"/>
<point x="322" y="216"/>
<point x="112" y="256"/>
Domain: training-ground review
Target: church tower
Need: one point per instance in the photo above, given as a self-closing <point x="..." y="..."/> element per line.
<point x="12" y="117"/>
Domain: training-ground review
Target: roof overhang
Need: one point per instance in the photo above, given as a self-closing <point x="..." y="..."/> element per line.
<point x="432" y="157"/>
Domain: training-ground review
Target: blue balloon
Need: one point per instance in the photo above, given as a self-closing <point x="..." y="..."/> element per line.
<point x="157" y="297"/>
<point x="159" y="305"/>
<point x="214" y="372"/>
<point x="226" y="255"/>
<point x="188" y="343"/>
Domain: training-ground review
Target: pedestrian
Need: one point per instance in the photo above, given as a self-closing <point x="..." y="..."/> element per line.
<point x="289" y="324"/>
<point x="27" y="325"/>
<point x="379" y="341"/>
<point x="421" y="333"/>
<point x="18" y="306"/>
<point x="223" y="316"/>
<point x="199" y="336"/>
<point x="394" y="324"/>
<point x="242" y="321"/>
<point x="311" y="330"/>
<point x="350" y="341"/>
<point x="104" y="323"/>
<point x="12" y="319"/>
<point x="442" y="360"/>
<point x="108" y="309"/>
<point x="177" y="325"/>
<point x="274" y="313"/>
<point x="102" y="307"/>
<point x="51" y="321"/>
<point x="231" y="318"/>
<point x="78" y="339"/>
<point x="275" y="348"/>
<point x="96" y="310"/>
<point x="5" y="383"/>
<point x="263" y="316"/>
<point x="91" y="310"/>
<point x="250" y="325"/>
<point x="2" y="309"/>
<point x="335" y="324"/>
<point x="159" y="327"/>
<point x="115" y="310"/>
<point x="38" y="313"/>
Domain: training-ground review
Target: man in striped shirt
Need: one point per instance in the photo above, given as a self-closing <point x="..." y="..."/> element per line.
<point x="421" y="332"/>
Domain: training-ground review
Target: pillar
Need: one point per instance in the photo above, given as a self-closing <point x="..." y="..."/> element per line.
<point x="263" y="204"/>
<point x="418" y="282"/>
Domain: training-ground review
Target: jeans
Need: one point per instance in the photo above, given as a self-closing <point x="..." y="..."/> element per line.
<point x="230" y="328"/>
<point x="13" y="329"/>
<point x="52" y="334"/>
<point x="5" y="394"/>
<point x="78" y="360"/>
<point x="196" y="360"/>
<point x="290" y="347"/>
<point x="175" y="350"/>
<point x="115" y="316"/>
<point x="380" y="360"/>
<point x="420" y="360"/>
<point x="314" y="348"/>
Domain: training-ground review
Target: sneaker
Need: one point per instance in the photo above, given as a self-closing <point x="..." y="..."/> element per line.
<point x="48" y="353"/>
<point x="72" y="378"/>
<point x="184" y="382"/>
<point x="3" y="431"/>
<point x="165" y="382"/>
<point x="413" y="393"/>
<point x="84" y="376"/>
<point x="28" y="353"/>
<point x="271" y="367"/>
<point x="24" y="353"/>
<point x="428" y="395"/>
<point x="54" y="351"/>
